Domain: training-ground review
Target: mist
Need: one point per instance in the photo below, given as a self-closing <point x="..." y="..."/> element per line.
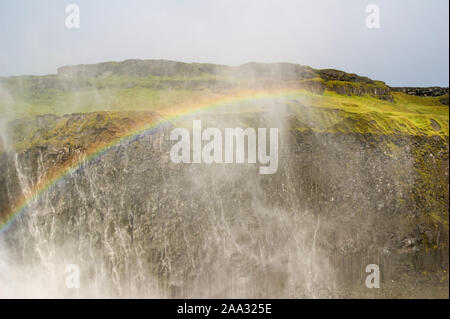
<point x="141" y="226"/>
<point x="362" y="169"/>
<point x="328" y="34"/>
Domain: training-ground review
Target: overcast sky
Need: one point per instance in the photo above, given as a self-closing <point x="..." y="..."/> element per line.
<point x="410" y="48"/>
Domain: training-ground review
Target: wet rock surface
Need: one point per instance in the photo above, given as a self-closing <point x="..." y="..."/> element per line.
<point x="139" y="225"/>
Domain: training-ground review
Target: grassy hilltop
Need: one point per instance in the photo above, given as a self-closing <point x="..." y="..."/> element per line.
<point x="324" y="100"/>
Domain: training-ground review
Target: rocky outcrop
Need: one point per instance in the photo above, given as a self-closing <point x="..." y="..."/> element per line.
<point x="378" y="90"/>
<point x="139" y="68"/>
<point x="166" y="68"/>
<point x="196" y="76"/>
<point x="253" y="74"/>
<point x="337" y="75"/>
<point x="422" y="91"/>
<point x="59" y="142"/>
<point x="433" y="91"/>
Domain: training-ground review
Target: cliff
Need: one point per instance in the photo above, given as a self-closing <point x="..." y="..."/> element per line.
<point x="362" y="179"/>
<point x="257" y="73"/>
<point x="338" y="202"/>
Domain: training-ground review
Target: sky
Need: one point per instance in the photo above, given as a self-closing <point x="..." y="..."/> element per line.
<point x="410" y="47"/>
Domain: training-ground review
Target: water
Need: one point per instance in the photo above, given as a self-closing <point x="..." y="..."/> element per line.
<point x="138" y="225"/>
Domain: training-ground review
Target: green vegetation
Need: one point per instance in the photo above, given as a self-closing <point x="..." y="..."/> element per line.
<point x="77" y="131"/>
<point x="332" y="112"/>
<point x="342" y="102"/>
<point x="376" y="84"/>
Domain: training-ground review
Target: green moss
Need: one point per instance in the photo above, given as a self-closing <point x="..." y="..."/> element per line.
<point x="332" y="112"/>
<point x="376" y="84"/>
<point x="327" y="112"/>
<point x="76" y="131"/>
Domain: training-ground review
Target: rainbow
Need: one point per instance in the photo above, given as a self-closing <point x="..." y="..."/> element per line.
<point x="169" y="115"/>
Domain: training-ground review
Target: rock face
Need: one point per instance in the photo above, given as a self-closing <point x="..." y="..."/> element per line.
<point x="139" y="225"/>
<point x="172" y="75"/>
<point x="433" y="91"/>
<point x="259" y="74"/>
<point x="138" y="68"/>
<point x="422" y="91"/>
<point x="61" y="140"/>
<point x="374" y="89"/>
<point x="166" y="68"/>
<point x="337" y="75"/>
